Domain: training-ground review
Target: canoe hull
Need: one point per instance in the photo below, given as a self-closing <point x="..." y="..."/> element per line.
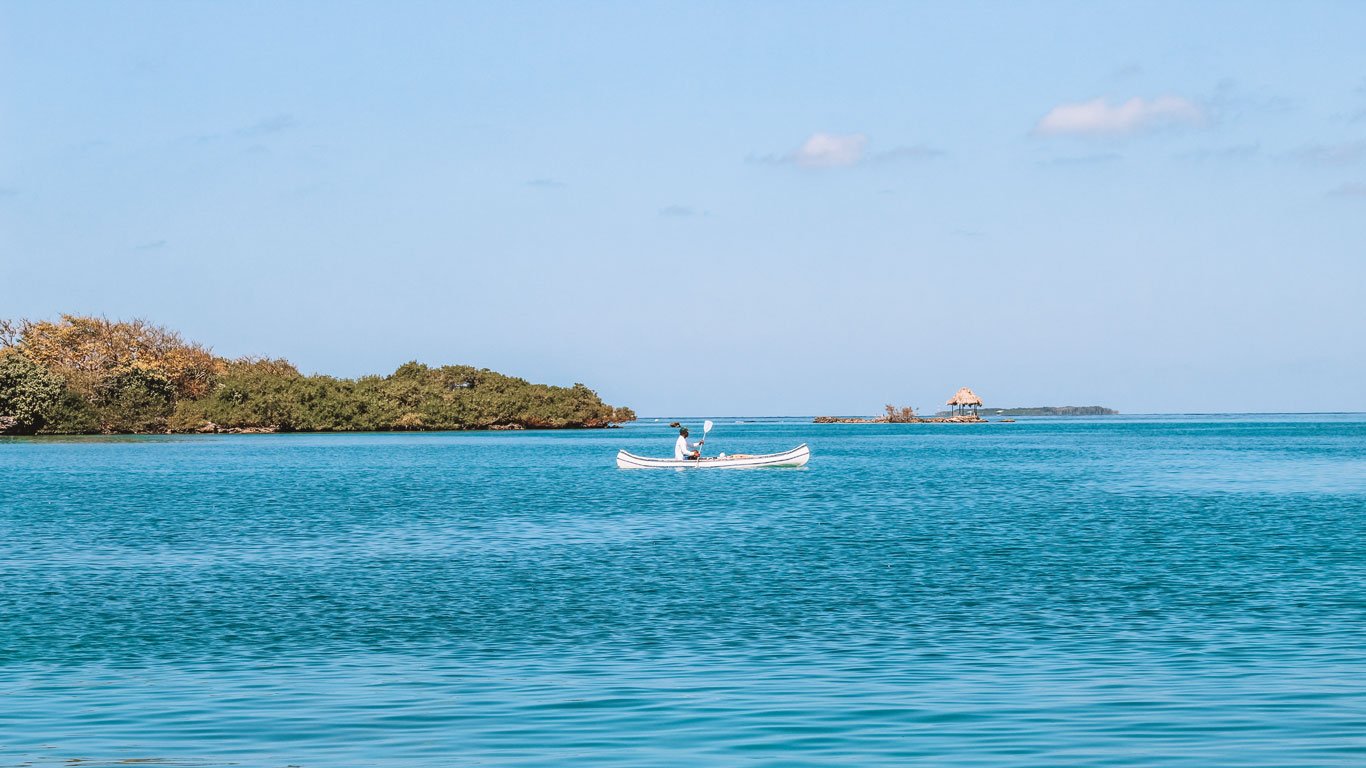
<point x="797" y="457"/>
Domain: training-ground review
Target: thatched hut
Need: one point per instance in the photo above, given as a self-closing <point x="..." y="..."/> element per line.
<point x="965" y="398"/>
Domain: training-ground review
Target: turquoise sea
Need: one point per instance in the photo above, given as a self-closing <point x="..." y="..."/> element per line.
<point x="1121" y="591"/>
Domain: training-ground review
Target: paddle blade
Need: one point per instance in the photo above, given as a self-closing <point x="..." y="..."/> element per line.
<point x="706" y="427"/>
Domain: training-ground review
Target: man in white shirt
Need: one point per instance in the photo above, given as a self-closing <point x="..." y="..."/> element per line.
<point x="684" y="449"/>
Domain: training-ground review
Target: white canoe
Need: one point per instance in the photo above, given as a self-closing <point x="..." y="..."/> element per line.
<point x="797" y="457"/>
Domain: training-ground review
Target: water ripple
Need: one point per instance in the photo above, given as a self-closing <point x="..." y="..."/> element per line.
<point x="1183" y="592"/>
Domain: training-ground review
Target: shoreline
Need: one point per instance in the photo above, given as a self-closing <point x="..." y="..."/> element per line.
<point x="278" y="431"/>
<point x="916" y="420"/>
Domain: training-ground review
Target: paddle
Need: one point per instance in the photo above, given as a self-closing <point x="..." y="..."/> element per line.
<point x="706" y="427"/>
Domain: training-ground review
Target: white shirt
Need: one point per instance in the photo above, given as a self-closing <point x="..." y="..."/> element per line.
<point x="683" y="448"/>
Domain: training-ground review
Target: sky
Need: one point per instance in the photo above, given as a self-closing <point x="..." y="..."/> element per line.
<point x="765" y="208"/>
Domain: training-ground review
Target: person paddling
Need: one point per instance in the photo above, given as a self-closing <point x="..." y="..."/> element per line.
<point x="684" y="449"/>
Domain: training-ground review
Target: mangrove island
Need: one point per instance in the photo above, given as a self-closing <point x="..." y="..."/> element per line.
<point x="91" y="375"/>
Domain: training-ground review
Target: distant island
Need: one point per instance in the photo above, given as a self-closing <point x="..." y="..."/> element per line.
<point x="90" y="375"/>
<point x="903" y="415"/>
<point x="1049" y="410"/>
<point x="964" y="400"/>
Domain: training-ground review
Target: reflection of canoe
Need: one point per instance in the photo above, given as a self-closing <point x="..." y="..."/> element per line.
<point x="796" y="457"/>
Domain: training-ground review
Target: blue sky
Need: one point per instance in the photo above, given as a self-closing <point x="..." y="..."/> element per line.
<point x="759" y="208"/>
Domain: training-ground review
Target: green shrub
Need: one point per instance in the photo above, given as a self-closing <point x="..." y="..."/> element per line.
<point x="134" y="400"/>
<point x="29" y="395"/>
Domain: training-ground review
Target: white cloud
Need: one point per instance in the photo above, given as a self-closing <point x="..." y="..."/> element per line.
<point x="1098" y="117"/>
<point x="831" y="150"/>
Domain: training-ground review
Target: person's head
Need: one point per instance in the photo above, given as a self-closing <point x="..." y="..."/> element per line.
<point x="683" y="431"/>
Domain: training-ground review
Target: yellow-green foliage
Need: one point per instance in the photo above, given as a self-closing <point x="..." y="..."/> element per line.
<point x="135" y="377"/>
<point x="87" y="351"/>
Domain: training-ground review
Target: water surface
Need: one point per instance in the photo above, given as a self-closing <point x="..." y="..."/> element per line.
<point x="1183" y="591"/>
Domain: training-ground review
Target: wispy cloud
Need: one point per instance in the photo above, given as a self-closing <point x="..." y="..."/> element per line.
<point x="1343" y="153"/>
<point x="1072" y="161"/>
<point x="8" y="192"/>
<point x="1099" y="117"/>
<point x="1126" y="71"/>
<point x="1352" y="189"/>
<point x="844" y="150"/>
<point x="1230" y="101"/>
<point x="915" y="152"/>
<point x="680" y="211"/>
<point x="200" y="138"/>
<point x="257" y="130"/>
<point x="1357" y="112"/>
<point x="267" y="126"/>
<point x="1232" y="152"/>
<point x="544" y="183"/>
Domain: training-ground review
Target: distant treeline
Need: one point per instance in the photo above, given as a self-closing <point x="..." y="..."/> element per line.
<point x="1053" y="410"/>
<point x="90" y="375"/>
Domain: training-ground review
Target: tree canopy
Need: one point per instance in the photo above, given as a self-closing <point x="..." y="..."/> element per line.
<point x="93" y="375"/>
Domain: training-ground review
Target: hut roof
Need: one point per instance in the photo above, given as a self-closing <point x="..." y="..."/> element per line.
<point x="964" y="396"/>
